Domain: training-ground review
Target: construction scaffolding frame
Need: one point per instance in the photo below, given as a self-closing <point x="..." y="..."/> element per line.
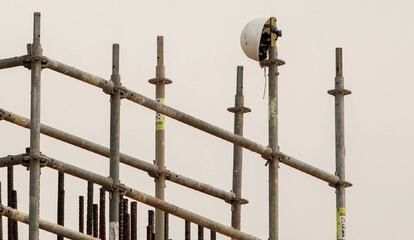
<point x="121" y="223"/>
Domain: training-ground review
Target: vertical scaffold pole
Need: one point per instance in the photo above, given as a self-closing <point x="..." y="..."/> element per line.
<point x="114" y="145"/>
<point x="35" y="132"/>
<point x="160" y="81"/>
<point x="339" y="92"/>
<point x="273" y="136"/>
<point x="238" y="111"/>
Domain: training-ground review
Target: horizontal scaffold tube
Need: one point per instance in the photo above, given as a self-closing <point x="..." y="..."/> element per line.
<point x="264" y="151"/>
<point x="147" y="199"/>
<point x="45" y="225"/>
<point x="164" y="109"/>
<point x="12" y="160"/>
<point x="13" y="62"/>
<point x="126" y="159"/>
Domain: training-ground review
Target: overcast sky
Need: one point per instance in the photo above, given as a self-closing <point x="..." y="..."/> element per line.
<point x="201" y="54"/>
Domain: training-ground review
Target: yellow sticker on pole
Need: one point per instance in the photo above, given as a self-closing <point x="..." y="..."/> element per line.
<point x="340" y="223"/>
<point x="160" y="118"/>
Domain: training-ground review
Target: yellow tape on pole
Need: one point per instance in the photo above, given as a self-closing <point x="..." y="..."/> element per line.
<point x="160" y="118"/>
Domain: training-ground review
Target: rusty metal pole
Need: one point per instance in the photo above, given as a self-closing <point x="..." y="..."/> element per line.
<point x="81" y="214"/>
<point x="1" y="217"/>
<point x="126" y="235"/>
<point x="134" y="221"/>
<point x="102" y="218"/>
<point x="61" y="202"/>
<point x="114" y="145"/>
<point x="239" y="109"/>
<point x="200" y="232"/>
<point x="150" y="227"/>
<point x="121" y="217"/>
<point x="95" y="220"/>
<point x="34" y="165"/>
<point x="89" y="209"/>
<point x="10" y="183"/>
<point x="339" y="92"/>
<point x="15" y="223"/>
<point x="187" y="230"/>
<point x="273" y="136"/>
<point x="212" y="235"/>
<point x="166" y="226"/>
<point x="160" y="81"/>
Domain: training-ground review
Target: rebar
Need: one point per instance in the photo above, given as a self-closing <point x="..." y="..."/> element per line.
<point x="35" y="132"/>
<point x="121" y="217"/>
<point x="81" y="215"/>
<point x="187" y="230"/>
<point x="239" y="109"/>
<point x="102" y="218"/>
<point x="200" y="232"/>
<point x="134" y="221"/>
<point x="1" y="218"/>
<point x="339" y="93"/>
<point x="61" y="202"/>
<point x="151" y="223"/>
<point x="114" y="221"/>
<point x="166" y="226"/>
<point x="95" y="220"/>
<point x="45" y="225"/>
<point x="15" y="223"/>
<point x="150" y="226"/>
<point x="10" y="186"/>
<point x="273" y="138"/>
<point x="89" y="209"/>
<point x="126" y="228"/>
<point x="212" y="235"/>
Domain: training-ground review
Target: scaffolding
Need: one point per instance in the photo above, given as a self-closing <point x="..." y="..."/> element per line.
<point x="122" y="222"/>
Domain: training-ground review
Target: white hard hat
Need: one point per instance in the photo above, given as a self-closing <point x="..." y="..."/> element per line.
<point x="255" y="39"/>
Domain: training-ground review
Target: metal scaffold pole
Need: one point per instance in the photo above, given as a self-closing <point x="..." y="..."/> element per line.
<point x="239" y="109"/>
<point x="160" y="81"/>
<point x="114" y="145"/>
<point x="339" y="92"/>
<point x="273" y="136"/>
<point x="35" y="132"/>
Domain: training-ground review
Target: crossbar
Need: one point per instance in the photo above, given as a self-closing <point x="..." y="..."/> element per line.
<point x="135" y="97"/>
<point x="45" y="225"/>
<point x="124" y="158"/>
<point x="146" y="199"/>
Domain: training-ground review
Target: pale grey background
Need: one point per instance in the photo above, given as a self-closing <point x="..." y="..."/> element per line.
<point x="202" y="51"/>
